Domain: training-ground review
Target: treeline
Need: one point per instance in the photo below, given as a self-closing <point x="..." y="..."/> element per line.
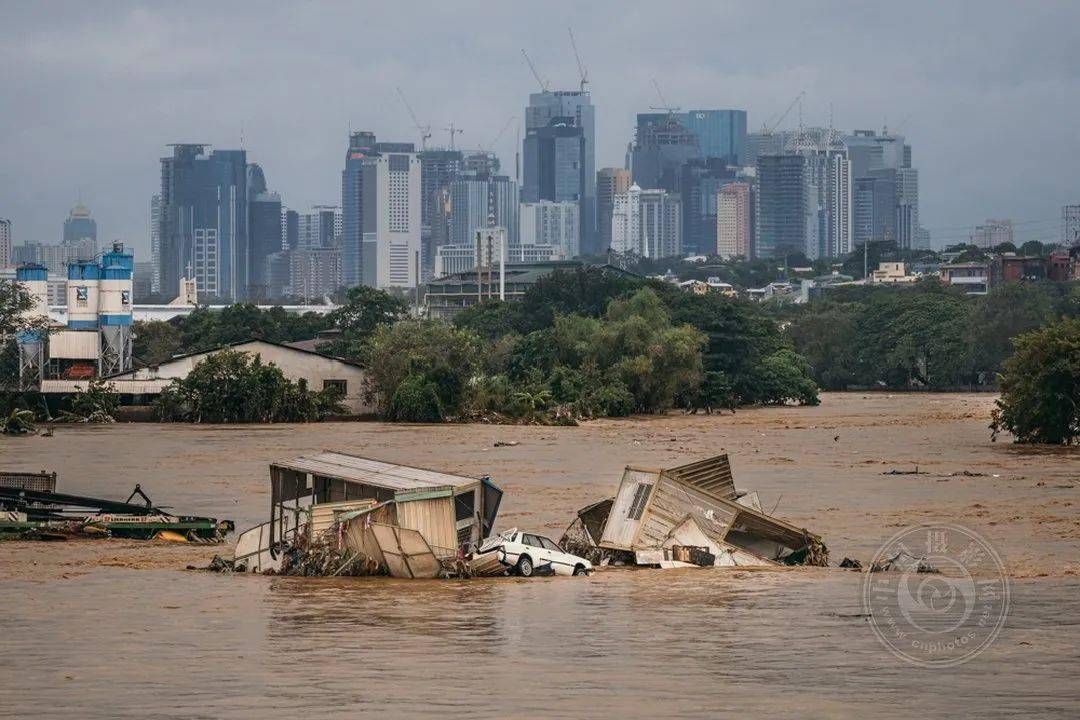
<point x="929" y="336"/>
<point x="586" y="343"/>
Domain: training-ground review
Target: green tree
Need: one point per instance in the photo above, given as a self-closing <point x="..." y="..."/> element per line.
<point x="825" y="334"/>
<point x="584" y="291"/>
<point x="914" y="338"/>
<point x="97" y="403"/>
<point x="1001" y="315"/>
<point x="492" y="319"/>
<point x="155" y="341"/>
<point x="430" y="352"/>
<point x="1040" y="387"/>
<point x="364" y="310"/>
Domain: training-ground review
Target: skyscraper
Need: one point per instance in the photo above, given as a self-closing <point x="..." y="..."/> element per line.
<point x="610" y="182"/>
<point x="554" y="224"/>
<point x="697" y="182"/>
<point x="786" y="218"/>
<point x="543" y="108"/>
<point x="381" y="209"/>
<point x="647" y="223"/>
<point x="79" y="226"/>
<point x="721" y="133"/>
<point x="319" y="228"/>
<point x="5" y="243"/>
<point x="886" y="195"/>
<point x="733" y="227"/>
<point x="438" y="168"/>
<point x="479" y="200"/>
<point x="155" y="244"/>
<point x="204" y="220"/>
<point x="555" y="162"/>
<point x="662" y="143"/>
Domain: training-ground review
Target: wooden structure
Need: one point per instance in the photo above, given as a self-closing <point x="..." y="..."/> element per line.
<point x="695" y="504"/>
<point x="449" y="511"/>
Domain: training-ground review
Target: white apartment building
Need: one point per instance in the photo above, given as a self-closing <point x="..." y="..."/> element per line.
<point x="626" y="221"/>
<point x="392" y="251"/>
<point x="647" y="223"/>
<point x="5" y="243"/>
<point x="555" y="224"/>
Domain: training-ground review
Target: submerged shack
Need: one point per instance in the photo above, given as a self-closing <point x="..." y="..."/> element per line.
<point x="385" y="510"/>
<point x="661" y="516"/>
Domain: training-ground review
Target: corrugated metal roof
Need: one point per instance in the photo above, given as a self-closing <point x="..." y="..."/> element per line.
<point x="712" y="475"/>
<point x="365" y="471"/>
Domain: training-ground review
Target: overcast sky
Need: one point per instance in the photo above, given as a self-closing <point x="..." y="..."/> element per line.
<point x="987" y="93"/>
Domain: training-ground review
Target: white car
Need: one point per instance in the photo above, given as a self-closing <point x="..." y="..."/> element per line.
<point x="527" y="554"/>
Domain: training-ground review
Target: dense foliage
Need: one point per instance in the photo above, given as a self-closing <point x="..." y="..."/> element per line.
<point x="928" y="336"/>
<point x="96" y="403"/>
<point x="232" y="386"/>
<point x="1040" y="386"/>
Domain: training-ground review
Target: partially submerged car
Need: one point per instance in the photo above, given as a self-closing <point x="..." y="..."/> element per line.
<point x="526" y="554"/>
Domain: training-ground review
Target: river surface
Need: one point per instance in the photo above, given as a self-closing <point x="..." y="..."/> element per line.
<point x="622" y="643"/>
<point x="118" y="629"/>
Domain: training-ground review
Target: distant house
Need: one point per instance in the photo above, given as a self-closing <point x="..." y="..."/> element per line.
<point x="141" y="385"/>
<point x="892" y="273"/>
<point x="973" y="277"/>
<point x="704" y="287"/>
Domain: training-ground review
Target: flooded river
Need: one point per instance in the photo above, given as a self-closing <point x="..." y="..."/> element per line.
<point x="118" y="629"/>
<point x="619" y="644"/>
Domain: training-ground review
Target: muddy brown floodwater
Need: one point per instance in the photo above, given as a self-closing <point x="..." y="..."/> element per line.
<point x="119" y="629"/>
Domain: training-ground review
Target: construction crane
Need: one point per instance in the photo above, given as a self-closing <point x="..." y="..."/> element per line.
<point x="532" y="68"/>
<point x="770" y="130"/>
<point x="583" y="73"/>
<point x="425" y="130"/>
<point x="671" y="110"/>
<point x="453" y="131"/>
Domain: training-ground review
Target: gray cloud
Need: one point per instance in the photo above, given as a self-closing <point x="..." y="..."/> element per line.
<point x="988" y="93"/>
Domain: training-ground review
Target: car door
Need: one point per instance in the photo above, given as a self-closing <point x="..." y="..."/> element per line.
<point x="561" y="563"/>
<point x="535" y="549"/>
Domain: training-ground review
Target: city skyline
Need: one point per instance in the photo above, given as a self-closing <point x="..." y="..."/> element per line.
<point x="108" y="84"/>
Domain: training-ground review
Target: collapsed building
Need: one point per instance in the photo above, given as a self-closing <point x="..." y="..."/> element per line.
<point x="691" y="514"/>
<point x="405" y="521"/>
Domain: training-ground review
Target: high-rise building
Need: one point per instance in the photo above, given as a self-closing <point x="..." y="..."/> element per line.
<point x="697" y="182"/>
<point x="477" y="201"/>
<point x="662" y="143"/>
<point x="320" y="228"/>
<point x="610" y="182"/>
<point x="626" y="222"/>
<point x="647" y="223"/>
<point x="204" y="221"/>
<point x="357" y="201"/>
<point x="543" y="108"/>
<point x="555" y="162"/>
<point x="79" y="226"/>
<point x="923" y="241"/>
<point x="265" y="232"/>
<point x="992" y="233"/>
<point x="1070" y="225"/>
<point x="661" y="223"/>
<point x="721" y="133"/>
<point x="886" y="188"/>
<point x="786" y="216"/>
<point x="438" y="168"/>
<point x="155" y="243"/>
<point x="290" y="229"/>
<point x="314" y="272"/>
<point x="734" y="206"/>
<point x="481" y="162"/>
<point x="5" y="243"/>
<point x="381" y="206"/>
<point x="554" y="224"/>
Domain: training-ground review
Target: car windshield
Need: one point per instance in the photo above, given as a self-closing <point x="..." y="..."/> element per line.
<point x="548" y="544"/>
